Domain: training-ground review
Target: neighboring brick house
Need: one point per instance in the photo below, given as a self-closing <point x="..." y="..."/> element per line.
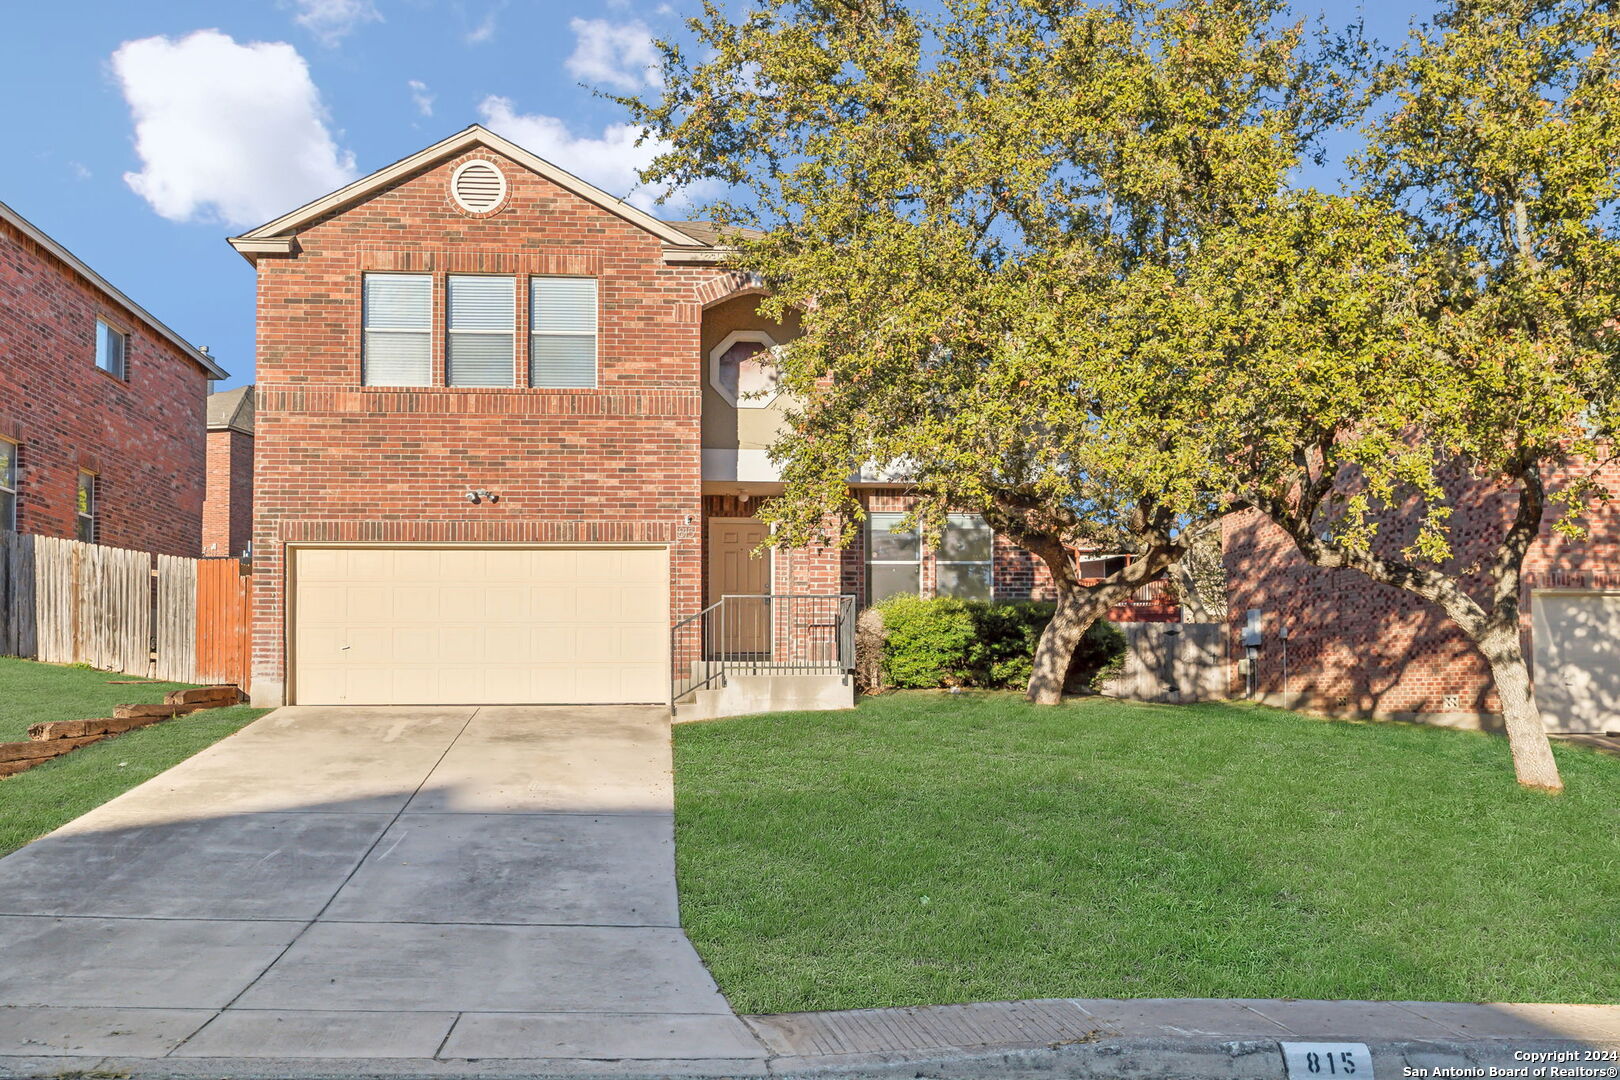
<point x="1355" y="647"/>
<point x="228" y="505"/>
<point x="101" y="405"/>
<point x="509" y="431"/>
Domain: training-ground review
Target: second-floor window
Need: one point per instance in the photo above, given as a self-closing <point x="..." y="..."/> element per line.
<point x="8" y="485"/>
<point x="398" y="330"/>
<point x="87" y="507"/>
<point x="479" y="331"/>
<point x="110" y="348"/>
<point x="562" y="331"/>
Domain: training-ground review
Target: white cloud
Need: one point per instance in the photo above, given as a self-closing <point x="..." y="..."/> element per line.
<point x="485" y="30"/>
<point x="421" y="97"/>
<point x="620" y="55"/>
<point x="332" y="20"/>
<point x="609" y="161"/>
<point x="226" y="132"/>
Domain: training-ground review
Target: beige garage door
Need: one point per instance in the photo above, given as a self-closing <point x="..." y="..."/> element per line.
<point x="1577" y="660"/>
<point x="479" y="625"/>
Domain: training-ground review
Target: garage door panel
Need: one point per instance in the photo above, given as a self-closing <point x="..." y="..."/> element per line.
<point x="514" y="647"/>
<point x="1577" y="661"/>
<point x="321" y="565"/>
<point x="419" y="601"/>
<point x="504" y="603"/>
<point x="480" y="625"/>
<point x="319" y="603"/>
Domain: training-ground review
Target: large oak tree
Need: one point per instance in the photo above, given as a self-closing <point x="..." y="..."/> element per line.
<point x="954" y="198"/>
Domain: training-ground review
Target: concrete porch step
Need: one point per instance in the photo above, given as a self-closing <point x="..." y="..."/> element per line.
<point x="743" y="694"/>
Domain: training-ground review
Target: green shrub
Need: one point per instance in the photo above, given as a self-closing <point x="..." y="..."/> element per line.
<point x="1005" y="635"/>
<point x="925" y="641"/>
<point x="950" y="642"/>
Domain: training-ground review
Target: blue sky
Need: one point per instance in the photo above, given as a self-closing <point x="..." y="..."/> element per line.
<point x="141" y="133"/>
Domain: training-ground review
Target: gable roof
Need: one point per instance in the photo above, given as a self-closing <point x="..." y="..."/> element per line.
<point x="78" y="266"/>
<point x="278" y="237"/>
<point x="231" y="409"/>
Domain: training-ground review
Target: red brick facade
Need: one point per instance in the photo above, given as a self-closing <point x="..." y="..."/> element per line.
<point x="142" y="435"/>
<point x="339" y="461"/>
<point x="228" y="508"/>
<point x="1356" y="647"/>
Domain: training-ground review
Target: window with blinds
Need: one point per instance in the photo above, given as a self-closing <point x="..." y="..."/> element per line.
<point x="562" y="331"/>
<point x="398" y="330"/>
<point x="480" y="327"/>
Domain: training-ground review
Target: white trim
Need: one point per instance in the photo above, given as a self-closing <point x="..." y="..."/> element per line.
<point x="697" y="255"/>
<point x="462" y="141"/>
<point x="74" y="263"/>
<point x="758" y="337"/>
<point x="274" y="245"/>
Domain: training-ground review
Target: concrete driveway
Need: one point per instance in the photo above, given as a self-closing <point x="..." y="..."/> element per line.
<point x="450" y="883"/>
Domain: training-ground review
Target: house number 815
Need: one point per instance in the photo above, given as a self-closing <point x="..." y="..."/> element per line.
<point x="1313" y="1061"/>
<point x="1341" y="1064"/>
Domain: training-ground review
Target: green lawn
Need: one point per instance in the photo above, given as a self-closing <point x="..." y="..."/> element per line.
<point x="930" y="848"/>
<point x="35" y="802"/>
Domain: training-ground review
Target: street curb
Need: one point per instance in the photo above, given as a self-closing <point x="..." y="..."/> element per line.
<point x="1119" y="1058"/>
<point x="1112" y="1058"/>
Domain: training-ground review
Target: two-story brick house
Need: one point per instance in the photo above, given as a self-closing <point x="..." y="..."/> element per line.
<point x="101" y="405"/>
<point x="511" y="430"/>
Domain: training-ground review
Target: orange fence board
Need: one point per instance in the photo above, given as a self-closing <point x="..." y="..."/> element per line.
<point x="224" y="604"/>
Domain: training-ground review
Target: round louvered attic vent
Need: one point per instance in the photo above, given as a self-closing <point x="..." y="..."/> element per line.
<point x="478" y="186"/>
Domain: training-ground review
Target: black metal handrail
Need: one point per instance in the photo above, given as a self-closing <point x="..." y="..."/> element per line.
<point x="762" y="633"/>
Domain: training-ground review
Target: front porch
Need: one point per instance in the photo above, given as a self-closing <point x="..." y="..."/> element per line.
<point x="759" y="652"/>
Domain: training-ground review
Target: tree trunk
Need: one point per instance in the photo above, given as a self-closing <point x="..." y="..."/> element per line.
<point x="1533" y="761"/>
<point x="1076" y="611"/>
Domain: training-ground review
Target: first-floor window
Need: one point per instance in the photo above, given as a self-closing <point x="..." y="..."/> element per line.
<point x="965" y="561"/>
<point x="8" y="485"/>
<point x="893" y="559"/>
<point x="87" y="507"/>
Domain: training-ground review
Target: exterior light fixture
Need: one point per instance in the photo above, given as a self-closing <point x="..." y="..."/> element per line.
<point x="479" y="495"/>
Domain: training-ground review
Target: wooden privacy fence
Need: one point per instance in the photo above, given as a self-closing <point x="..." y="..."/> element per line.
<point x="68" y="602"/>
